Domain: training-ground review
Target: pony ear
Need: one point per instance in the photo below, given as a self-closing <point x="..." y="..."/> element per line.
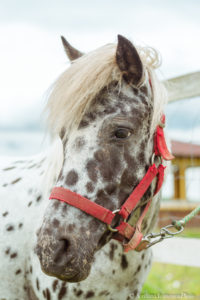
<point x="71" y="52"/>
<point x="129" y="61"/>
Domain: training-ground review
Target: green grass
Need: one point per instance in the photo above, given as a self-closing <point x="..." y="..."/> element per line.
<point x="191" y="233"/>
<point x="165" y="280"/>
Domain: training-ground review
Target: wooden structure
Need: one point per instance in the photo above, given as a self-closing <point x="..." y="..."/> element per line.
<point x="182" y="87"/>
<point x="186" y="155"/>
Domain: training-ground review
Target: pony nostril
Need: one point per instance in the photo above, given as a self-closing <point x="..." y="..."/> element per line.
<point x="61" y="250"/>
<point x="66" y="244"/>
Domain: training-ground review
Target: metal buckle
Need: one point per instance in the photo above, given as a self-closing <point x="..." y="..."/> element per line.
<point x="109" y="226"/>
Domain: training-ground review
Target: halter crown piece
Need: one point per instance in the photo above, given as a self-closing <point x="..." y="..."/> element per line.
<point x="125" y="231"/>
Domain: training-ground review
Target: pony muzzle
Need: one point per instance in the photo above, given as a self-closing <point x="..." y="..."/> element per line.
<point x="66" y="258"/>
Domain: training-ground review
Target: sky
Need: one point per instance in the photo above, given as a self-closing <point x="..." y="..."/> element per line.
<point x="32" y="57"/>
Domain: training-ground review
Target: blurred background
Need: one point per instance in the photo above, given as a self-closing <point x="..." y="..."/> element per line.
<point x="32" y="57"/>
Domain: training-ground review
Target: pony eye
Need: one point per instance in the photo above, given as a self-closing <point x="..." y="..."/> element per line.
<point x="122" y="133"/>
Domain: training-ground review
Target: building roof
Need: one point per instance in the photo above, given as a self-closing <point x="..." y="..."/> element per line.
<point x="185" y="149"/>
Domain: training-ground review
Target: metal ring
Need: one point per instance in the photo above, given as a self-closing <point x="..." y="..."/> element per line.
<point x="154" y="157"/>
<point x="170" y="232"/>
<point x="109" y="226"/>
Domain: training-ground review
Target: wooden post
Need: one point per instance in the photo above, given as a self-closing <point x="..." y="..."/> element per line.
<point x="179" y="182"/>
<point x="176" y="184"/>
<point x="182" y="195"/>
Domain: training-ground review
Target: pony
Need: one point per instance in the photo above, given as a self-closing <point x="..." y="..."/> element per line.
<point x="102" y="114"/>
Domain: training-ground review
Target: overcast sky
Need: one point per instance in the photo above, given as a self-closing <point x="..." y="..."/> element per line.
<point x="31" y="54"/>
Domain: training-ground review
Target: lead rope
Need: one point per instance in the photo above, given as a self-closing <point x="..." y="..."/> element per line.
<point x="165" y="232"/>
<point x="181" y="223"/>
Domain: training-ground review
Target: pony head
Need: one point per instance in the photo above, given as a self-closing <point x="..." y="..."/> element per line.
<point x="105" y="108"/>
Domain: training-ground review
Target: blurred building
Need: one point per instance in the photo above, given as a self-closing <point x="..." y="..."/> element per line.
<point x="187" y="156"/>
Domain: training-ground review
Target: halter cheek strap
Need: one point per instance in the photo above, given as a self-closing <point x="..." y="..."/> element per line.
<point x="160" y="147"/>
<point x="124" y="230"/>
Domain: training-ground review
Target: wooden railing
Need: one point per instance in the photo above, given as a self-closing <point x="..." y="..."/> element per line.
<point x="182" y="87"/>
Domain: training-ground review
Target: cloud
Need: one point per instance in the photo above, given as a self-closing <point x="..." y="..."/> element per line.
<point x="32" y="57"/>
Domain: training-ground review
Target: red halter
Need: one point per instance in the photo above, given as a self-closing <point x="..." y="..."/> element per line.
<point x="132" y="234"/>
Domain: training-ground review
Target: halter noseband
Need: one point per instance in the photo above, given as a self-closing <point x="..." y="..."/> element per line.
<point x="125" y="230"/>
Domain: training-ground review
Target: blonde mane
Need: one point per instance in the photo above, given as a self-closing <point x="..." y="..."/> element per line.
<point x="71" y="95"/>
